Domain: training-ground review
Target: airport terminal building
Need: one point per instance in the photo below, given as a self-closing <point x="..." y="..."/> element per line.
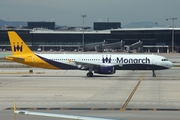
<point x="153" y="39"/>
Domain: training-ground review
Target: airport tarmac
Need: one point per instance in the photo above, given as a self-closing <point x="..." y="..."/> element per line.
<point x="126" y="95"/>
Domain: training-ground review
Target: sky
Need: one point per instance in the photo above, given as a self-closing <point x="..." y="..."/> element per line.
<point x="68" y="12"/>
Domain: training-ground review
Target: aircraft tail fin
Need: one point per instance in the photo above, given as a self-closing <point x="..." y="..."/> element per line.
<point x="17" y="44"/>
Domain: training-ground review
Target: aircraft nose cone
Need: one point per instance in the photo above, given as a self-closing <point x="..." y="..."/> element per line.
<point x="171" y="65"/>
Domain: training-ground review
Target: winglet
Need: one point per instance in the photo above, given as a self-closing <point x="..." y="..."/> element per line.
<point x="17" y="44"/>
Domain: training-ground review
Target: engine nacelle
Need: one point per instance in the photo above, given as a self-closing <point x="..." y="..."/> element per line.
<point x="105" y="70"/>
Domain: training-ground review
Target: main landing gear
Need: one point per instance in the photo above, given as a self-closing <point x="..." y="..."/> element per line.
<point x="154" y="74"/>
<point x="89" y="74"/>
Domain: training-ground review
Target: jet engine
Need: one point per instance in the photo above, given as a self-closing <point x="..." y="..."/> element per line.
<point x="105" y="70"/>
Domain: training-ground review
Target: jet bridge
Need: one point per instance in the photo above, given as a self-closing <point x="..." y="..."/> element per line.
<point x="102" y="46"/>
<point x="94" y="46"/>
<point x="138" y="46"/>
<point x="116" y="45"/>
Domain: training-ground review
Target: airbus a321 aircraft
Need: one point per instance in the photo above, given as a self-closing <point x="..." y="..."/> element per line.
<point x="97" y="63"/>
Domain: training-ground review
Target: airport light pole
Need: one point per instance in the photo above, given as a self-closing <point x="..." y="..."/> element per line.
<point x="167" y="22"/>
<point x="83" y="16"/>
<point x="173" y="33"/>
<point x="156" y="23"/>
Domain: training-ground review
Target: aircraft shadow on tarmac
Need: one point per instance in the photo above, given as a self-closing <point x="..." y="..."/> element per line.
<point x="103" y="76"/>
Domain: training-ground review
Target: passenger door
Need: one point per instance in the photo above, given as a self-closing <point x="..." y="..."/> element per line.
<point x="154" y="60"/>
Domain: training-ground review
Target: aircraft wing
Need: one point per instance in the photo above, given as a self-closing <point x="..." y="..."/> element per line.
<point x="59" y="115"/>
<point x="94" y="65"/>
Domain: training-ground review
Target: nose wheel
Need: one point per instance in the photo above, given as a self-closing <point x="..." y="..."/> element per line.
<point x="89" y="74"/>
<point x="154" y="74"/>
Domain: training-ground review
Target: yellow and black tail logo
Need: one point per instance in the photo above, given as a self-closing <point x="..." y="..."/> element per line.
<point x="17" y="44"/>
<point x="18" y="47"/>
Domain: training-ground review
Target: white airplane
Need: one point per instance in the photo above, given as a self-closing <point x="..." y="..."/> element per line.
<point x="97" y="63"/>
<point x="76" y="117"/>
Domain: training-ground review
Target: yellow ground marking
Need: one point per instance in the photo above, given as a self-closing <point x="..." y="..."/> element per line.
<point x="14" y="106"/>
<point x="132" y="93"/>
<point x="132" y="109"/>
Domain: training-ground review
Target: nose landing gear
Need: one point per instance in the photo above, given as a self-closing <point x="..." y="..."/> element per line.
<point x="153" y="73"/>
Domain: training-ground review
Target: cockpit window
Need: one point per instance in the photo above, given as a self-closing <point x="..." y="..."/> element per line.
<point x="164" y="59"/>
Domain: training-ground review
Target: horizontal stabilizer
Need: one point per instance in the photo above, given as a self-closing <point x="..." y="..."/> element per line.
<point x="14" y="58"/>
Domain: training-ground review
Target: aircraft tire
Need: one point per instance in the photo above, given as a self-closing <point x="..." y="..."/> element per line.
<point x="89" y="74"/>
